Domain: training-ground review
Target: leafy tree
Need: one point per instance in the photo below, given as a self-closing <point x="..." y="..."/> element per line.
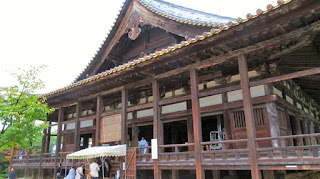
<point x="21" y="110"/>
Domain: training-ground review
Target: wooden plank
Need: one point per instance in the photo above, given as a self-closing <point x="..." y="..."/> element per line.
<point x="124" y="106"/>
<point x="196" y="122"/>
<point x="98" y="118"/>
<point x="250" y="126"/>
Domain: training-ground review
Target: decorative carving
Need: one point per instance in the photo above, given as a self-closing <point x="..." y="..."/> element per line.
<point x="134" y="26"/>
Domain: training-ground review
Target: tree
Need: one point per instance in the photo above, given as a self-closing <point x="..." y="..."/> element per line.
<point x="21" y="110"/>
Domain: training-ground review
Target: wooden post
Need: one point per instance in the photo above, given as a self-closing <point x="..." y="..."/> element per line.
<point x="98" y="118"/>
<point x="248" y="112"/>
<point x="26" y="171"/>
<point x="190" y="127"/>
<point x="60" y="119"/>
<point x="124" y="106"/>
<point x="298" y="130"/>
<point x="226" y="118"/>
<point x="40" y="172"/>
<point x="157" y="125"/>
<point x="196" y="122"/>
<point x="216" y="174"/>
<point x="305" y="130"/>
<point x="272" y="116"/>
<point x="312" y="131"/>
<point x="268" y="174"/>
<point x="135" y="131"/>
<point x="48" y="138"/>
<point x="175" y="174"/>
<point x="77" y="128"/>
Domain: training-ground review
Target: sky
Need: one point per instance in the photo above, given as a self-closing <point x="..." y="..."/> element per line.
<point x="65" y="35"/>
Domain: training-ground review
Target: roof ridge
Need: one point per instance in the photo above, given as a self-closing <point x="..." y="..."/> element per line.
<point x="209" y="19"/>
<point x="183" y="43"/>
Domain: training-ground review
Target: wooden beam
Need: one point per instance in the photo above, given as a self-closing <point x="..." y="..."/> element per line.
<point x="124" y="106"/>
<point x="98" y="118"/>
<point x="196" y="122"/>
<point x="40" y="172"/>
<point x="77" y="128"/>
<point x="248" y="112"/>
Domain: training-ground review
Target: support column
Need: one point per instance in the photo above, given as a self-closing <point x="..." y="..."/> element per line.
<point x="124" y="105"/>
<point x="98" y="118"/>
<point x="40" y="171"/>
<point x="272" y="116"/>
<point x="175" y="174"/>
<point x="26" y="171"/>
<point x="248" y="113"/>
<point x="157" y="125"/>
<point x="298" y="130"/>
<point x="226" y="118"/>
<point x="216" y="174"/>
<point x="60" y="119"/>
<point x="312" y="131"/>
<point x="305" y="130"/>
<point x="196" y="122"/>
<point x="48" y="138"/>
<point x="77" y="128"/>
<point x="268" y="174"/>
<point x="190" y="127"/>
<point x="135" y="131"/>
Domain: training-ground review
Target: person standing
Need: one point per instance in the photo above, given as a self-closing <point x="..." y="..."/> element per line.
<point x="107" y="166"/>
<point x="79" y="172"/>
<point x="12" y="174"/>
<point x="94" y="170"/>
<point x="72" y="173"/>
<point x="143" y="143"/>
<point x="59" y="169"/>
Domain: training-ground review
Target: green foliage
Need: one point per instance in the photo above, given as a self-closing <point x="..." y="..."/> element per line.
<point x="4" y="163"/>
<point x="20" y="109"/>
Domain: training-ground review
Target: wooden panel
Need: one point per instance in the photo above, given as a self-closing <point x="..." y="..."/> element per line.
<point x="110" y="130"/>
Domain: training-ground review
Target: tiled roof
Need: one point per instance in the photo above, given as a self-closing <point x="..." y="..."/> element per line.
<point x="153" y="56"/>
<point x="185" y="15"/>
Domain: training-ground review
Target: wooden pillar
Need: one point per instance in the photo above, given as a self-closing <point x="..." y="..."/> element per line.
<point x="216" y="174"/>
<point x="272" y="116"/>
<point x="124" y="105"/>
<point x="268" y="174"/>
<point x="190" y="127"/>
<point x="135" y="131"/>
<point x="98" y="118"/>
<point x="77" y="128"/>
<point x="305" y="130"/>
<point x="196" y="122"/>
<point x="60" y="119"/>
<point x="43" y="147"/>
<point x="226" y="118"/>
<point x="157" y="125"/>
<point x="312" y="131"/>
<point x="175" y="174"/>
<point x="26" y="171"/>
<point x="48" y="138"/>
<point x="298" y="130"/>
<point x="248" y="113"/>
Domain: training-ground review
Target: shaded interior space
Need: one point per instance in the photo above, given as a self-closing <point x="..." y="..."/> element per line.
<point x="146" y="132"/>
<point x="213" y="128"/>
<point x="185" y="174"/>
<point x="144" y="174"/>
<point x="175" y="132"/>
<point x="85" y="141"/>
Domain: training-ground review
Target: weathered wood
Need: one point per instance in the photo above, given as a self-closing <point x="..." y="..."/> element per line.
<point x="98" y="118"/>
<point x="156" y="125"/>
<point x="190" y="127"/>
<point x="196" y="122"/>
<point x="77" y="128"/>
<point x="48" y="138"/>
<point x="60" y="119"/>
<point x="248" y="112"/>
<point x="124" y="106"/>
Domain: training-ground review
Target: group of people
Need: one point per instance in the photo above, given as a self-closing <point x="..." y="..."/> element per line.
<point x="77" y="173"/>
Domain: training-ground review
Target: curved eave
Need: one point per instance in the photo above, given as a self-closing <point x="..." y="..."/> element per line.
<point x="154" y="56"/>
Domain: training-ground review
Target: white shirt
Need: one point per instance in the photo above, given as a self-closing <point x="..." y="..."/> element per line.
<point x="79" y="173"/>
<point x="94" y="168"/>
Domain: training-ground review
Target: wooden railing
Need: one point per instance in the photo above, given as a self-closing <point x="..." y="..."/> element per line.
<point x="284" y="149"/>
<point x="176" y="152"/>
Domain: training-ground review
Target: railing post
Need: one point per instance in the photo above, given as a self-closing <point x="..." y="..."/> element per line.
<point x="60" y="119"/>
<point x="248" y="112"/>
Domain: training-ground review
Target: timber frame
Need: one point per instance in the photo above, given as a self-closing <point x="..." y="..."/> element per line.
<point x="260" y="76"/>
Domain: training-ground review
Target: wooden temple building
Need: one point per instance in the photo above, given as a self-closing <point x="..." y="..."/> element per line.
<point x="223" y="97"/>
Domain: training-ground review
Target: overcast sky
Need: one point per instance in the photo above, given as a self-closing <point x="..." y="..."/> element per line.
<point x="64" y="35"/>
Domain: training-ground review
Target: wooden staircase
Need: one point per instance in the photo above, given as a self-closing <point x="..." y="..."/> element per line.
<point x="131" y="163"/>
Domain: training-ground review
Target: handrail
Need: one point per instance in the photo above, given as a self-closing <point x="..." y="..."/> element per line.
<point x="289" y="137"/>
